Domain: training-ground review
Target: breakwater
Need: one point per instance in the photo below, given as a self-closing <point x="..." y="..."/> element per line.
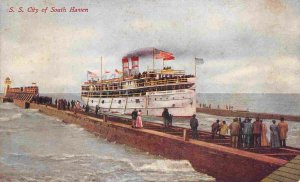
<point x="222" y="162"/>
<point x="236" y="113"/>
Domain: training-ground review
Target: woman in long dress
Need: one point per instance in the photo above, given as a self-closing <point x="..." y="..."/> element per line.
<point x="274" y="133"/>
<point x="139" y="122"/>
<point x="223" y="129"/>
<point x="264" y="138"/>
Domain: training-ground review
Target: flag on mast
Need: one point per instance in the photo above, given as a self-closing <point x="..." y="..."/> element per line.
<point x="159" y="54"/>
<point x="199" y="61"/>
<point x="92" y="74"/>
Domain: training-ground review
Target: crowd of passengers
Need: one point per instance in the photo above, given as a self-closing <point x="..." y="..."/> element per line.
<point x="246" y="134"/>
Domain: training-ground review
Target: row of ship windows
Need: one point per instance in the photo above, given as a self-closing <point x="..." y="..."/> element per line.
<point x="138" y="100"/>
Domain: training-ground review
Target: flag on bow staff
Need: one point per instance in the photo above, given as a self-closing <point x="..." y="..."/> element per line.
<point x="118" y="71"/>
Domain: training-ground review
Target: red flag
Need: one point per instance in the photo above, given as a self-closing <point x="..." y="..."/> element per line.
<point x="169" y="58"/>
<point x="158" y="54"/>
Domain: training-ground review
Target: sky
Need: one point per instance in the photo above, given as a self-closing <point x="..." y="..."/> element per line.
<point x="247" y="46"/>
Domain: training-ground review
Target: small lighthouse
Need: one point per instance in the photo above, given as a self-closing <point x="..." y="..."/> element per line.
<point x="7" y="84"/>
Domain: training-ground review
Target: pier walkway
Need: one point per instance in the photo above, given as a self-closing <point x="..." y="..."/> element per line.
<point x="287" y="173"/>
<point x="287" y="153"/>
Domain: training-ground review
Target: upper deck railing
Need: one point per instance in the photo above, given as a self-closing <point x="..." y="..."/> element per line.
<point x="138" y="83"/>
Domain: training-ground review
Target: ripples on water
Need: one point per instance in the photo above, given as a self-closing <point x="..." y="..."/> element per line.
<point x="36" y="147"/>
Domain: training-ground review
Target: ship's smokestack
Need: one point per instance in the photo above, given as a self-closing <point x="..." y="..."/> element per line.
<point x="125" y="65"/>
<point x="135" y="65"/>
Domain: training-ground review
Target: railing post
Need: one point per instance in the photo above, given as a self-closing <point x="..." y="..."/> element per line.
<point x="185" y="135"/>
<point x="104" y="117"/>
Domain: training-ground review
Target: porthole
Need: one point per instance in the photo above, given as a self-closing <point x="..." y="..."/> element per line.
<point x="119" y="101"/>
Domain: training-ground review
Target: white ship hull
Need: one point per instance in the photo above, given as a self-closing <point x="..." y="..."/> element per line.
<point x="178" y="102"/>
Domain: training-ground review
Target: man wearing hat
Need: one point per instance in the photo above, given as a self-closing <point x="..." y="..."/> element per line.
<point x="194" y="126"/>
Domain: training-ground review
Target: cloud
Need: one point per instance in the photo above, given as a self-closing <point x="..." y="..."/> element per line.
<point x="243" y="43"/>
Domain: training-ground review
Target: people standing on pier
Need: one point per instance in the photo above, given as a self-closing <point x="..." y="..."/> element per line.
<point x="215" y="128"/>
<point x="77" y="107"/>
<point x="97" y="109"/>
<point x="257" y="128"/>
<point x="72" y="104"/>
<point x="223" y="130"/>
<point x="87" y="108"/>
<point x="68" y="105"/>
<point x="139" y="122"/>
<point x="241" y="134"/>
<point x="134" y="116"/>
<point x="166" y="117"/>
<point x="248" y="132"/>
<point x="274" y="135"/>
<point x="194" y="126"/>
<point x="234" y="132"/>
<point x="264" y="138"/>
<point x="283" y="129"/>
<point x="55" y="102"/>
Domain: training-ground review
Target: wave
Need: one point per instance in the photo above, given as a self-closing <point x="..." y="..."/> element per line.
<point x="165" y="166"/>
<point x="9" y="118"/>
<point x="153" y="165"/>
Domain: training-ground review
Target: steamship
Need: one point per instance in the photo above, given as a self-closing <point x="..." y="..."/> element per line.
<point x="150" y="91"/>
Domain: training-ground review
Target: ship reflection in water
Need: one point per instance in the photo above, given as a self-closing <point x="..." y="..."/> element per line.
<point x="37" y="147"/>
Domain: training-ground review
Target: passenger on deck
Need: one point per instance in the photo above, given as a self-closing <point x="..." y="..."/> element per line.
<point x="215" y="128"/>
<point x="139" y="122"/>
<point x="248" y="132"/>
<point x="194" y="126"/>
<point x="256" y="129"/>
<point x="274" y="135"/>
<point x="134" y="116"/>
<point x="234" y="132"/>
<point x="264" y="138"/>
<point x="283" y="129"/>
<point x="223" y="130"/>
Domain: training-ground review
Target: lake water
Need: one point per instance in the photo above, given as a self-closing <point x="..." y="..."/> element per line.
<point x="267" y="103"/>
<point x="37" y="147"/>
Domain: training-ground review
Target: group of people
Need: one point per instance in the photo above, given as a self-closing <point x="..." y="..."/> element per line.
<point x="227" y="107"/>
<point x="63" y="104"/>
<point x="137" y="119"/>
<point x="42" y="100"/>
<point x="247" y="134"/>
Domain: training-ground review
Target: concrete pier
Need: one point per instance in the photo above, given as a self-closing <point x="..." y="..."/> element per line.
<point x="213" y="158"/>
<point x="233" y="113"/>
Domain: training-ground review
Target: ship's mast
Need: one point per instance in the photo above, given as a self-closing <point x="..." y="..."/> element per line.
<point x="101" y="70"/>
<point x="153" y="60"/>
